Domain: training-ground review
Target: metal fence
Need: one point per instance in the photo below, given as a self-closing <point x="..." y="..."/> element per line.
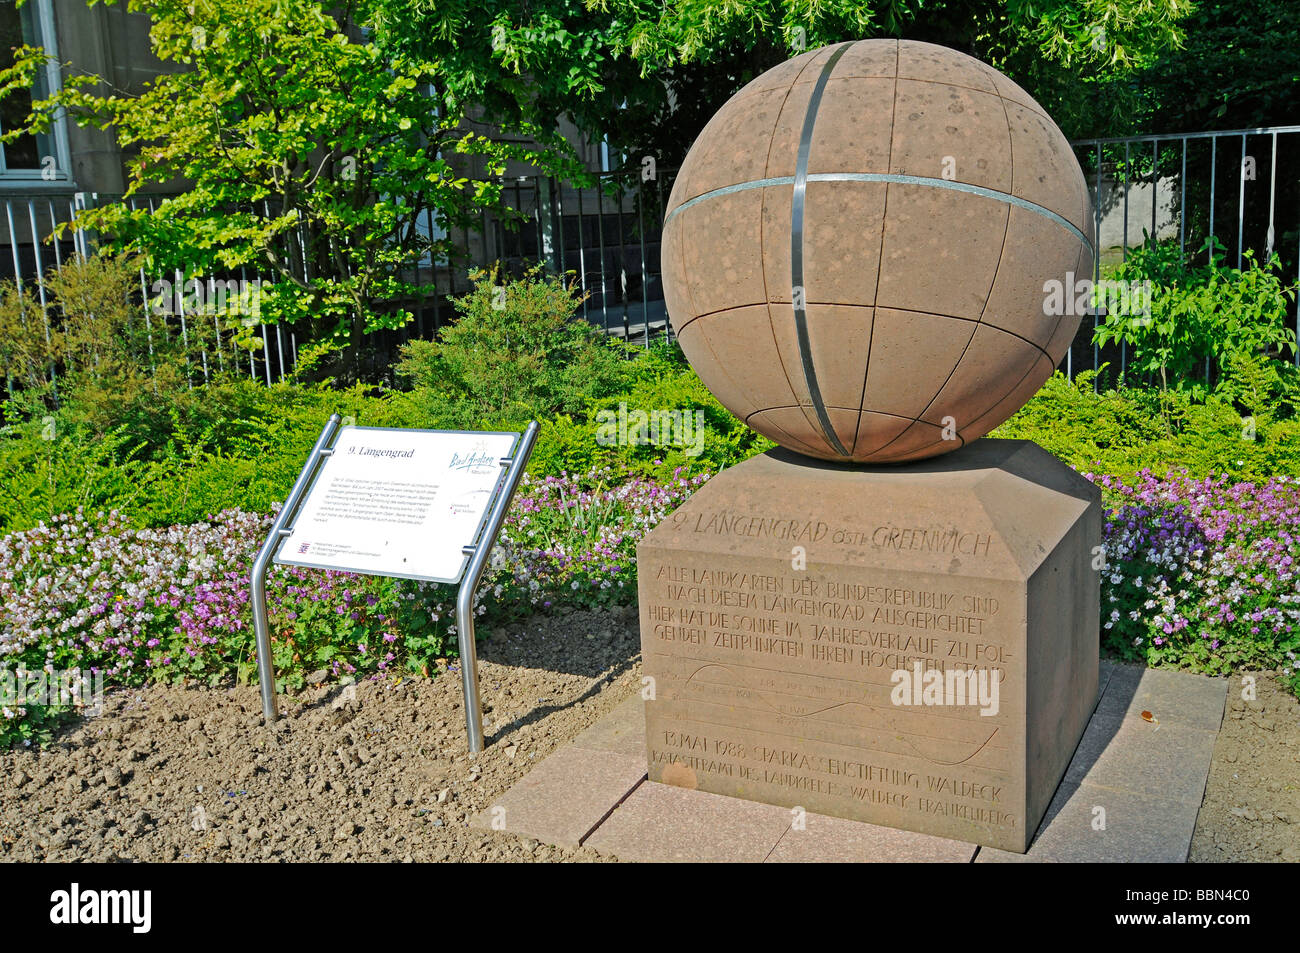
<point x="1142" y="183"/>
<point x="1242" y="186"/>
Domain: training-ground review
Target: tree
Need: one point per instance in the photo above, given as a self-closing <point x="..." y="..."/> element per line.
<point x="648" y="74"/>
<point x="306" y="148"/>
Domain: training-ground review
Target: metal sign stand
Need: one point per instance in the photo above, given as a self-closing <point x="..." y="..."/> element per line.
<point x="477" y="551"/>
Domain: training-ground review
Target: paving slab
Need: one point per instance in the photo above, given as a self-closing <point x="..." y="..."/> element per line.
<point x="659" y="822"/>
<point x="562" y="799"/>
<point x="621" y="731"/>
<point x="1172" y="698"/>
<point x="1087" y="823"/>
<point x="838" y="840"/>
<point x="1134" y="755"/>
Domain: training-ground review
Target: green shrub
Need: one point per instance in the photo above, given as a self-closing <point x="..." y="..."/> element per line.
<point x="1203" y="312"/>
<point x="242" y="445"/>
<point x="516" y="353"/>
<point x="1125" y="430"/>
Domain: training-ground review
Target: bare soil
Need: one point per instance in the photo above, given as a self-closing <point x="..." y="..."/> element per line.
<point x="378" y="772"/>
<point x="1251" y="810"/>
<point x="382" y="772"/>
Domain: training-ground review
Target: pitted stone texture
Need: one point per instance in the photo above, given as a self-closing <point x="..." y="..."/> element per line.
<point x="780" y="600"/>
<point x="925" y="301"/>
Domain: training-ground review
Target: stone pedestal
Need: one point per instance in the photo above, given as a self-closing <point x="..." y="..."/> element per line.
<point x="913" y="646"/>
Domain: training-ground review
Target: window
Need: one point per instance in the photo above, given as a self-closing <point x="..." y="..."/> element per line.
<point x="40" y="157"/>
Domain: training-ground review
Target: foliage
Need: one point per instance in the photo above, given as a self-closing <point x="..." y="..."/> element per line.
<point x="177" y="456"/>
<point x="517" y="353"/>
<point x="307" y="149"/>
<point x="665" y="68"/>
<point x="132" y="605"/>
<point x="1237" y="70"/>
<point x="1202" y="574"/>
<point x="1201" y="312"/>
<point x="1061" y="51"/>
<point x="1123" y="431"/>
<point x="701" y="434"/>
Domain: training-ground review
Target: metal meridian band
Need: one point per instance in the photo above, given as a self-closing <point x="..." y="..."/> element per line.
<point x="897" y="179"/>
<point x="797" y="293"/>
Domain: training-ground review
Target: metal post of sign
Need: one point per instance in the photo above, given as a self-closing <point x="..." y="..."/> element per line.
<point x="478" y="553"/>
<point x="257" y="578"/>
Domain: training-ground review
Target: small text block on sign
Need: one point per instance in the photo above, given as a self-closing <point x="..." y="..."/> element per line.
<point x="398" y="502"/>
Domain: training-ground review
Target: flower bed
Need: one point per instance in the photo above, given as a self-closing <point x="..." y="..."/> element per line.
<point x="95" y="594"/>
<point x="1199" y="574"/>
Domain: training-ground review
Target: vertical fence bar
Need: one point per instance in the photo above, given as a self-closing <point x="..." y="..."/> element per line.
<point x="76" y="232"/>
<point x="1214" y="172"/>
<point x="433" y="265"/>
<point x="216" y="319"/>
<point x="179" y="298"/>
<point x="244" y="322"/>
<point x="1182" y="205"/>
<point x="1272" y="201"/>
<point x="148" y="321"/>
<point x="180" y="301"/>
<point x="1096" y="269"/>
<point x="40" y="280"/>
<point x="266" y="355"/>
<point x="519" y="209"/>
<point x="1124" y="242"/>
<point x="558" y="192"/>
<point x="582" y="258"/>
<point x="668" y="325"/>
<point x="13" y="247"/>
<point x="622" y="267"/>
<point x="54" y="238"/>
<point x="1155" y="185"/>
<point x="600" y="240"/>
<point x="279" y="348"/>
<point x="645" y="278"/>
<point x="537" y="217"/>
<point x="1241" y="199"/>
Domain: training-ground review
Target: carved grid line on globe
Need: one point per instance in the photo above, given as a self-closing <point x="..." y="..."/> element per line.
<point x="808" y="157"/>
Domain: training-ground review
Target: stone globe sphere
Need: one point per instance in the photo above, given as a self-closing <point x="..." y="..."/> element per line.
<point x="859" y="251"/>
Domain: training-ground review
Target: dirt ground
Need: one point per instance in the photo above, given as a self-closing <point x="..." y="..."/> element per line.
<point x="378" y="773"/>
<point x="382" y="772"/>
<point x="1251" y="810"/>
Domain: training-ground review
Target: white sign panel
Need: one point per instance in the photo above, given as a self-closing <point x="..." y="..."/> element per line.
<point x="398" y="502"/>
